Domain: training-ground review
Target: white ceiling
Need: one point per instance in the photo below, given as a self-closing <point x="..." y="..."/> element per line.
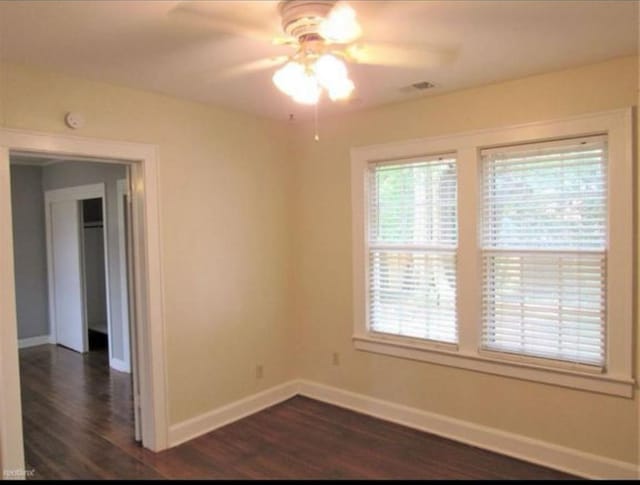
<point x="145" y="44"/>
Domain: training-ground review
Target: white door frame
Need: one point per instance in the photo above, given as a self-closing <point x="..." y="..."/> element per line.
<point x="147" y="282"/>
<point x="122" y="189"/>
<point x="77" y="193"/>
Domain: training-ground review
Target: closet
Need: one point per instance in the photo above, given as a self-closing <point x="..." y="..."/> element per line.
<point x="95" y="276"/>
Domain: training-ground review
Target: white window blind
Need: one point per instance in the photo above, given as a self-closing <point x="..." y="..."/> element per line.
<point x="412" y="241"/>
<point x="544" y="238"/>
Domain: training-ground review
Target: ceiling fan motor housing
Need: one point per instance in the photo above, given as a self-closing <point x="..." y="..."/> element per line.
<point x="301" y="18"/>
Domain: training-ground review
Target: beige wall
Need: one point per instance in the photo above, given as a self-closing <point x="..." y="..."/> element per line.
<point x="595" y="423"/>
<point x="225" y="226"/>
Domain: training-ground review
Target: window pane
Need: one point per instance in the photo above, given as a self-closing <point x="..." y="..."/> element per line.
<point x="412" y="241"/>
<point x="545" y="305"/>
<point x="413" y="294"/>
<point x="414" y="203"/>
<point x="544" y="234"/>
<point x="546" y="198"/>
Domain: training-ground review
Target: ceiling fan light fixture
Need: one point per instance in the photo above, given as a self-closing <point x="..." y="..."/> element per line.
<point x="305" y="83"/>
<point x="316" y="66"/>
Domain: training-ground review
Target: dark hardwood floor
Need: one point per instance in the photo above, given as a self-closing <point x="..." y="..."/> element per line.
<point x="78" y="423"/>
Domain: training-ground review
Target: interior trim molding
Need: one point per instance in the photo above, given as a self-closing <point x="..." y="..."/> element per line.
<point x="540" y="452"/>
<point x="25" y="343"/>
<point x="147" y="280"/>
<point x="517" y="368"/>
<point x="119" y="365"/>
<point x="209" y="421"/>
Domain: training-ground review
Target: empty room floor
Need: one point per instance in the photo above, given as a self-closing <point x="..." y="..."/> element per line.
<point x="78" y="423"/>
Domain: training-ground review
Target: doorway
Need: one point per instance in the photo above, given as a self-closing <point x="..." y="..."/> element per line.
<point x="87" y="259"/>
<point x="84" y="365"/>
<point x="146" y="280"/>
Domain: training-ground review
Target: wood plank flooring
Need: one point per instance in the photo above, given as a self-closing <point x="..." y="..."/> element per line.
<point x="78" y="423"/>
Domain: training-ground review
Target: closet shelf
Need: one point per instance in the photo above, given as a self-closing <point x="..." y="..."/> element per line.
<point x="91" y="225"/>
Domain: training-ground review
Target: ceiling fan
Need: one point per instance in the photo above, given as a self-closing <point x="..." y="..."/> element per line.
<point x="322" y="31"/>
<point x="326" y="38"/>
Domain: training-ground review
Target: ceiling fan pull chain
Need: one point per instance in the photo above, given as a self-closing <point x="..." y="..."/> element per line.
<point x="316" y="137"/>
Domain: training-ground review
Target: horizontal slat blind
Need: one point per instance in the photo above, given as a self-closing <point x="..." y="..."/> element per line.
<point x="413" y="294"/>
<point x="546" y="197"/>
<point x="412" y="240"/>
<point x="545" y="305"/>
<point x="544" y="235"/>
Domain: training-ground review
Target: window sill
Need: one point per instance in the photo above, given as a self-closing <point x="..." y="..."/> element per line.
<point x="448" y="355"/>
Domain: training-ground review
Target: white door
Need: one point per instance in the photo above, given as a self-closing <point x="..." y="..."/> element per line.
<point x="68" y="282"/>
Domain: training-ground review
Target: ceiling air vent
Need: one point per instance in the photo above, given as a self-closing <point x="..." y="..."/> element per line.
<point x="419" y="86"/>
<point x="423" y="85"/>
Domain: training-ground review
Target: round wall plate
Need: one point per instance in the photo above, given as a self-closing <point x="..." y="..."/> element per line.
<point x="74" y="120"/>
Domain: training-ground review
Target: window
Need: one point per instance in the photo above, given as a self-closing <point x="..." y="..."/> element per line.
<point x="544" y="238"/>
<point x="510" y="255"/>
<point x="412" y="248"/>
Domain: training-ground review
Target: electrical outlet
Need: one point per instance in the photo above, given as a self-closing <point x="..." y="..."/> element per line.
<point x="259" y="371"/>
<point x="336" y="358"/>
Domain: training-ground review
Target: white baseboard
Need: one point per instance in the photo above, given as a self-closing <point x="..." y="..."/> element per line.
<point x="194" y="427"/>
<point x="119" y="365"/>
<point x="23" y="343"/>
<point x="535" y="451"/>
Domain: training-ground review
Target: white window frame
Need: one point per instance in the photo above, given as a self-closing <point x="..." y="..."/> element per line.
<point x="617" y="375"/>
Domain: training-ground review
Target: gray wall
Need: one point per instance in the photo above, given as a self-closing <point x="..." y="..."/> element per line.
<point x="70" y="174"/>
<point x="29" y="249"/>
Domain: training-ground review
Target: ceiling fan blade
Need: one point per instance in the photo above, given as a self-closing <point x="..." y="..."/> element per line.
<point x="251" y="67"/>
<point x="225" y="17"/>
<point x="285" y="40"/>
<point x="399" y="55"/>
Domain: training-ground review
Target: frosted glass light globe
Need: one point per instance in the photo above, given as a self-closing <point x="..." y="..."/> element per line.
<point x="341" y="89"/>
<point x="330" y="70"/>
<point x="340" y="25"/>
<point x="307" y="90"/>
<point x="288" y="77"/>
